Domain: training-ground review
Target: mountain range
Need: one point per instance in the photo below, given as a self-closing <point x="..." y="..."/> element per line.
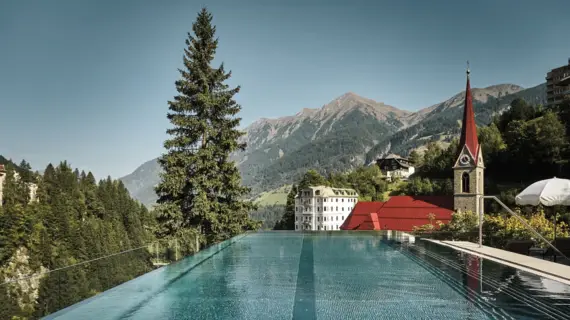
<point x="345" y="133"/>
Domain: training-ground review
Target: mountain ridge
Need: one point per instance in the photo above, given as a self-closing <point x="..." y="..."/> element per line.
<point x="346" y="132"/>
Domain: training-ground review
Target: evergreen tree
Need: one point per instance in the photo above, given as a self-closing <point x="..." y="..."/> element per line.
<point x="200" y="187"/>
<point x="415" y="158"/>
<point x="287" y="222"/>
<point x="312" y="179"/>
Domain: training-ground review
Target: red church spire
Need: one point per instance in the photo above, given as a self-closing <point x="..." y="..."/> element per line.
<point x="469" y="128"/>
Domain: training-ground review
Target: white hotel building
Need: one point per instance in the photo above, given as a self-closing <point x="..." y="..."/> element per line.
<point x="323" y="208"/>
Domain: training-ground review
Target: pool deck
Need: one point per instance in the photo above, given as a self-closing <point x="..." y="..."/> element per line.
<point x="540" y="267"/>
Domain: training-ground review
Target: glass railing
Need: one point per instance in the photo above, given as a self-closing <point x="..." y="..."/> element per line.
<point x="33" y="294"/>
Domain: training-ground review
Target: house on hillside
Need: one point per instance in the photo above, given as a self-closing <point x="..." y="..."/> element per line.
<point x="403" y="213"/>
<point x="395" y="166"/>
<point x="32" y="187"/>
<point x="323" y="208"/>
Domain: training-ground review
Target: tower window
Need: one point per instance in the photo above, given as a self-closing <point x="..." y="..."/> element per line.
<point x="465" y="182"/>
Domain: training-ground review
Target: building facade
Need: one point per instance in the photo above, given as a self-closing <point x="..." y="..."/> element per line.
<point x="323" y="208"/>
<point x="394" y="166"/>
<point x="558" y="85"/>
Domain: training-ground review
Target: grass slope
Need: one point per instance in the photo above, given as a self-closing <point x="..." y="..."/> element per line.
<point x="276" y="196"/>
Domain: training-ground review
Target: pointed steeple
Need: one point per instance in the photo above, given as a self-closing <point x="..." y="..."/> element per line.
<point x="469" y="128"/>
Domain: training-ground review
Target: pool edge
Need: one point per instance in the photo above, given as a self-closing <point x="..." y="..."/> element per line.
<point x="529" y="269"/>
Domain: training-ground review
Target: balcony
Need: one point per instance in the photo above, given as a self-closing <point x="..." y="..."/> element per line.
<point x="565" y="81"/>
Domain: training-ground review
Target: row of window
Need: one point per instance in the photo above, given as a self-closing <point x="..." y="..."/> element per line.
<point x="319" y="219"/>
<point x="300" y="209"/>
<point x="337" y="227"/>
<point x="333" y="200"/>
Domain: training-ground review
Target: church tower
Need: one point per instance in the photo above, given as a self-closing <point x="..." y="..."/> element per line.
<point x="469" y="168"/>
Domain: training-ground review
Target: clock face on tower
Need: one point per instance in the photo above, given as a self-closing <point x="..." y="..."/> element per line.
<point x="464" y="160"/>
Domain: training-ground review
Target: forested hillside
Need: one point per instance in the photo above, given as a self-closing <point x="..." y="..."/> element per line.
<point x="444" y="122"/>
<point x="75" y="219"/>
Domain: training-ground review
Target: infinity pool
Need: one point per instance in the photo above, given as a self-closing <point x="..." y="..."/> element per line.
<point x="333" y="275"/>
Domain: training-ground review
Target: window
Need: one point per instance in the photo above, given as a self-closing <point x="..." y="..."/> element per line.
<point x="325" y="227"/>
<point x="318" y="208"/>
<point x="336" y="199"/>
<point x="342" y="200"/>
<point x="296" y="218"/>
<point x="342" y="208"/>
<point x="465" y="182"/>
<point x="336" y="218"/>
<point x="296" y="227"/>
<point x="342" y="218"/>
<point x="336" y="208"/>
<point x="318" y="192"/>
<point x="325" y="209"/>
<point x="296" y="208"/>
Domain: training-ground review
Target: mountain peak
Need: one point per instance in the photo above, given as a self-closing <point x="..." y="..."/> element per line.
<point x="349" y="94"/>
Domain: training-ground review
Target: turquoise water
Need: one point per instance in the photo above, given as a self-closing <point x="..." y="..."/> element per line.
<point x="334" y="275"/>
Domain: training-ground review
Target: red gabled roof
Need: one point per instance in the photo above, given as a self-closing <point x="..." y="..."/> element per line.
<point x="469" y="128"/>
<point x="359" y="218"/>
<point x="420" y="202"/>
<point x="401" y="213"/>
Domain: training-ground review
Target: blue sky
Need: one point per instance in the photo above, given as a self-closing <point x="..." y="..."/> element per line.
<point x="89" y="81"/>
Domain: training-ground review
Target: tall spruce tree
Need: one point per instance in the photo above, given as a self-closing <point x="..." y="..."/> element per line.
<point x="201" y="188"/>
<point x="287" y="222"/>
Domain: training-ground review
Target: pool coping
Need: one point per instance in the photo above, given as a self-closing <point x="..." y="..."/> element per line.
<point x="471" y="248"/>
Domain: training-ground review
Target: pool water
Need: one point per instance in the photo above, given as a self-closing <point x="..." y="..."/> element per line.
<point x="329" y="275"/>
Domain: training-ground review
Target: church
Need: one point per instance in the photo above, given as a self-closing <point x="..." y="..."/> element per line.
<point x="403" y="213"/>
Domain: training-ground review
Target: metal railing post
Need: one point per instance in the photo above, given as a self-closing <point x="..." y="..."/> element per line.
<point x="526" y="224"/>
<point x="481" y="213"/>
<point x="176" y="249"/>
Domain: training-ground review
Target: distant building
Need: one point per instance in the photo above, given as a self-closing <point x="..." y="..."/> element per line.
<point x="403" y="213"/>
<point x="323" y="208"/>
<point x="558" y="85"/>
<point x="32" y="187"/>
<point x="395" y="166"/>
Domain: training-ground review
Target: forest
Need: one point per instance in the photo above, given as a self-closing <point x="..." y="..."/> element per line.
<point x="74" y="219"/>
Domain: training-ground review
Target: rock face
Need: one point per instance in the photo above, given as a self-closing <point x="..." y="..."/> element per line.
<point x="24" y="282"/>
<point x="347" y="132"/>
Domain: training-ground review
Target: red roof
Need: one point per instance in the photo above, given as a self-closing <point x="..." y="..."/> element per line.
<point x="359" y="218"/>
<point x="469" y="128"/>
<point x="401" y="213"/>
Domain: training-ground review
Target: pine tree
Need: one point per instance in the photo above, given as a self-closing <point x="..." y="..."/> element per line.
<point x="201" y="188"/>
<point x="287" y="222"/>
